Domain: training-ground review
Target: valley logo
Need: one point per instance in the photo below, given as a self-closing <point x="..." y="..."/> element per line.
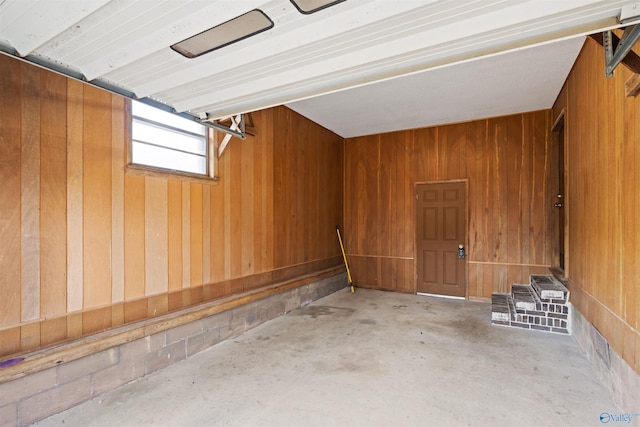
<point x="607" y="417"/>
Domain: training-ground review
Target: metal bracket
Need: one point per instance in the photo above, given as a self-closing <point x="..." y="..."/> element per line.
<point x="236" y="129"/>
<point x="614" y="55"/>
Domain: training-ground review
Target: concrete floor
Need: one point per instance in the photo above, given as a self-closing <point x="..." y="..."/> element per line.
<point x="370" y="358"/>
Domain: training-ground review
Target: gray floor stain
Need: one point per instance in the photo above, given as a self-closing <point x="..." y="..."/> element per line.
<point x="314" y="311"/>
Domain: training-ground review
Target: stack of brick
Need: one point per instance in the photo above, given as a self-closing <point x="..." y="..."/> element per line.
<point x="540" y="305"/>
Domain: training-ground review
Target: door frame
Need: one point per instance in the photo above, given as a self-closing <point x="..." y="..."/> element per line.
<point x="466" y="230"/>
<point x="560" y="125"/>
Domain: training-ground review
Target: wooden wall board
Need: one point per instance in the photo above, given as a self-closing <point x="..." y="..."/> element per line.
<point x="135" y="310"/>
<point x="102" y="245"/>
<point x="95" y="320"/>
<point x="30" y="336"/>
<point x="53" y="331"/>
<point x="75" y="263"/>
<point x="206" y="233"/>
<point x="74" y="325"/>
<point x="186" y="234"/>
<point x="96" y="207"/>
<point x="30" y="196"/>
<point x="53" y="176"/>
<point x="196" y="234"/>
<point x="117" y="314"/>
<point x="156" y="236"/>
<point x="494" y="155"/>
<point x="10" y="339"/>
<point x="247" y="213"/>
<point x="134" y="236"/>
<point x="602" y="154"/>
<point x="234" y="175"/>
<point x="157" y="305"/>
<point x="120" y="131"/>
<point x="10" y="193"/>
<point x="174" y="235"/>
<point x="217" y="249"/>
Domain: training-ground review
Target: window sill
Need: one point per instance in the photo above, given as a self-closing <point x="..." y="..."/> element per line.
<point x="169" y="174"/>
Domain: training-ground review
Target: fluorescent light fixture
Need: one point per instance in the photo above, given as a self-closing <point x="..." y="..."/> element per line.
<point x="311" y="6"/>
<point x="234" y="30"/>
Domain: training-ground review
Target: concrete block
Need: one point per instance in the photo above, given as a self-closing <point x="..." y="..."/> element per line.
<point x="54" y="400"/>
<point x="184" y="331"/>
<point x="156" y="341"/>
<point x="20" y="388"/>
<point x="292" y="300"/>
<point x="196" y="343"/>
<point x="242" y="318"/>
<point x="9" y="415"/>
<point x="212" y="336"/>
<point x="272" y="307"/>
<point x="136" y="349"/>
<point x="127" y="370"/>
<point x="217" y="321"/>
<point x="165" y="356"/>
<point x="75" y="369"/>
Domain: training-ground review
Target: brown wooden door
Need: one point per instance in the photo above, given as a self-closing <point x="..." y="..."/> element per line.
<point x="441" y="228"/>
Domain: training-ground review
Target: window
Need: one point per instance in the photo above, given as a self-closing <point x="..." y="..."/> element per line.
<point x="167" y="141"/>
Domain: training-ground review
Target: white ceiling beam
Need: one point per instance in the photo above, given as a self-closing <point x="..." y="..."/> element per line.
<point x="296" y="33"/>
<point x="29" y="24"/>
<point x="347" y="66"/>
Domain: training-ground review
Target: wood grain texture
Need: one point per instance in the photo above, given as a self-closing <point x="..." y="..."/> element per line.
<point x="195" y="240"/>
<point x="299" y="174"/>
<point x="75" y="273"/>
<point x="91" y="244"/>
<point x="174" y="234"/>
<point x="134" y="235"/>
<point x="10" y="194"/>
<point x="155" y="237"/>
<point x="602" y="132"/>
<point x="30" y="197"/>
<point x="96" y="199"/>
<point x="505" y="161"/>
<point x="119" y="133"/>
<point x="53" y="176"/>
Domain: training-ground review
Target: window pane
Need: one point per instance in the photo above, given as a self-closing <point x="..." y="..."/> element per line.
<point x="164" y="140"/>
<point x="140" y="109"/>
<point x="155" y="135"/>
<point x="150" y="155"/>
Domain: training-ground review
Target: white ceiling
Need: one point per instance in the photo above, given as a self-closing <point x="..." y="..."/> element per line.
<point x="527" y="79"/>
<point x="359" y="67"/>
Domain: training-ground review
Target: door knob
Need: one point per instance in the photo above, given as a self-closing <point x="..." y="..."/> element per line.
<point x="557" y="205"/>
<point x="461" y="251"/>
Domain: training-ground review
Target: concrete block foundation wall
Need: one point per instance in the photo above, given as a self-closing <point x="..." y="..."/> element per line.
<point x="35" y="396"/>
<point x="620" y="378"/>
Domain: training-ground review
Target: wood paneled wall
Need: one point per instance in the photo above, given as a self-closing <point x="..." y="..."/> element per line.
<point x="509" y="165"/>
<point x="88" y="245"/>
<point x="602" y="132"/>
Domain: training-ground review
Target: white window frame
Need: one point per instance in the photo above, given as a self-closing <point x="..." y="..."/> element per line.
<point x="170" y="125"/>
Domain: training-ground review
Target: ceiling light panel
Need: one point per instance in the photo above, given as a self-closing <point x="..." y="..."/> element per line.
<point x="234" y="30"/>
<point x="311" y="6"/>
